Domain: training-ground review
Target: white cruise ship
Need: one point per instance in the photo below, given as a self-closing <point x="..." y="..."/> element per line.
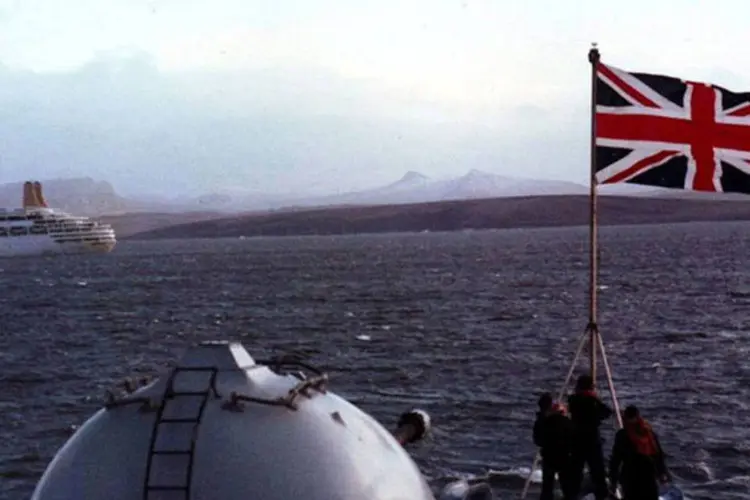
<point x="37" y="229"/>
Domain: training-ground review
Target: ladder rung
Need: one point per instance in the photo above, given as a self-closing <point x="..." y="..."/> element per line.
<point x="166" y="488"/>
<point x="172" y="452"/>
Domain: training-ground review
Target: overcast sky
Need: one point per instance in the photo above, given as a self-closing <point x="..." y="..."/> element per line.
<point x="327" y="95"/>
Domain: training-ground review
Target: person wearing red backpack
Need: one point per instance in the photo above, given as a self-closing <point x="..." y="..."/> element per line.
<point x="637" y="462"/>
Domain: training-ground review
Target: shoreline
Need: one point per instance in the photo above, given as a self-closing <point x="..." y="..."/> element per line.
<point x="444" y="216"/>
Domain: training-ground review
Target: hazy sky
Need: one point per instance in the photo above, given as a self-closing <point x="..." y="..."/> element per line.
<point x="326" y="95"/>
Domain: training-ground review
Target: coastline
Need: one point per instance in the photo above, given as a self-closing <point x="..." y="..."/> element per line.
<point x="493" y="213"/>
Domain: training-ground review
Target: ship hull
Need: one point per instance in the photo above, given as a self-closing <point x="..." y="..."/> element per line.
<point x="35" y="245"/>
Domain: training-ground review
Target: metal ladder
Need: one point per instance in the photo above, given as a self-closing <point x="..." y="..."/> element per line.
<point x="170" y="461"/>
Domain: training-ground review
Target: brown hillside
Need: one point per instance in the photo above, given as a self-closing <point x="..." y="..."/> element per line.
<point x="541" y="211"/>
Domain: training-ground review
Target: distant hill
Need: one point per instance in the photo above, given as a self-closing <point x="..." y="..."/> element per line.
<point x="87" y="196"/>
<point x="413" y="187"/>
<point x="81" y="196"/>
<point x="128" y="224"/>
<point x="529" y="211"/>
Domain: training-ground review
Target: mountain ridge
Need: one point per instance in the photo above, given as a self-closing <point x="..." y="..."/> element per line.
<point x="89" y="197"/>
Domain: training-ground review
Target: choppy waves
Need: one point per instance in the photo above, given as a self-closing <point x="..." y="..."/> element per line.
<point x="468" y="326"/>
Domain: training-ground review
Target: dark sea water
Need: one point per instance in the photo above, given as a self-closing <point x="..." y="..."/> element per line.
<point x="469" y="326"/>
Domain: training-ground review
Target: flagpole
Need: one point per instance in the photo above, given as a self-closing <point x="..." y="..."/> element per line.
<point x="592" y="329"/>
<point x="593" y="245"/>
<point x="595" y="339"/>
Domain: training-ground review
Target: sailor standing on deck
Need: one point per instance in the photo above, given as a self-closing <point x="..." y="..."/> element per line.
<point x="553" y="434"/>
<point x="637" y="460"/>
<point x="587" y="412"/>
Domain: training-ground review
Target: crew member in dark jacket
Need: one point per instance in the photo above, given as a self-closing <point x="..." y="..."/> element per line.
<point x="637" y="461"/>
<point x="553" y="434"/>
<point x="587" y="412"/>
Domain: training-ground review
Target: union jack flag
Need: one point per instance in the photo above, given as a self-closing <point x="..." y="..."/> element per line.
<point x="663" y="131"/>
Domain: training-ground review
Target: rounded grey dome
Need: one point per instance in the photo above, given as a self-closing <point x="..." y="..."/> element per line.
<point x="218" y="426"/>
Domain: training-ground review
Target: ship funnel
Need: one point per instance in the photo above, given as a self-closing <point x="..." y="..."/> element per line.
<point x="28" y="195"/>
<point x="32" y="195"/>
<point x="41" y="202"/>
